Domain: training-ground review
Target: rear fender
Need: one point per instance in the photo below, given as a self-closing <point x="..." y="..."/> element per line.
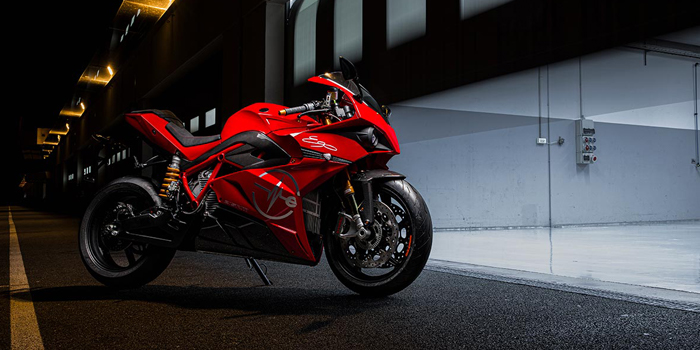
<point x="172" y="233"/>
<point x="145" y="183"/>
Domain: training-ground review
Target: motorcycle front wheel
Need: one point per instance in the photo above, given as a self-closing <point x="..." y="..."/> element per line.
<point x="398" y="248"/>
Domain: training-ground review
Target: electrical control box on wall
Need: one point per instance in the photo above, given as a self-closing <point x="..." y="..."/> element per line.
<point x="586" y="142"/>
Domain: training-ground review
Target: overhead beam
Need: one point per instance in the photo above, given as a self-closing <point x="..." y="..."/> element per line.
<point x="667" y="47"/>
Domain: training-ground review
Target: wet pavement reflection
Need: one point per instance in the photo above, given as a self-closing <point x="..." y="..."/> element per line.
<point x="660" y="255"/>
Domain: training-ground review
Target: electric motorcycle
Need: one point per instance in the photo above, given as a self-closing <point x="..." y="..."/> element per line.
<point x="277" y="184"/>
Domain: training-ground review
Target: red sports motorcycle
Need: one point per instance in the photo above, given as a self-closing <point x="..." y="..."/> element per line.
<point x="277" y="184"/>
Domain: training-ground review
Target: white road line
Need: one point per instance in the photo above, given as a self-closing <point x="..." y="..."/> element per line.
<point x="24" y="328"/>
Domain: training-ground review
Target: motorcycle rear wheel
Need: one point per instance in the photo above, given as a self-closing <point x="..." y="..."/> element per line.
<point x="408" y="259"/>
<point x="114" y="262"/>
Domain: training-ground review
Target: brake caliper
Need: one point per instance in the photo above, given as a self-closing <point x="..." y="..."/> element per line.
<point x="376" y="247"/>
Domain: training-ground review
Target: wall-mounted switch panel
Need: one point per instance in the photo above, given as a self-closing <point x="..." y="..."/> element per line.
<point x="585" y="142"/>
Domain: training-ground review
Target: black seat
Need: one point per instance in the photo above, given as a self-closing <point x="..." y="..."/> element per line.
<point x="177" y="128"/>
<point x="164" y="114"/>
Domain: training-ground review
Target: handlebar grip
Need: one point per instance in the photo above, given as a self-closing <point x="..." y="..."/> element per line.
<point x="303" y="108"/>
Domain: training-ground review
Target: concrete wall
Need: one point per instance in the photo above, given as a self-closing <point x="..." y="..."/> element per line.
<point x="197" y="57"/>
<point x="471" y="150"/>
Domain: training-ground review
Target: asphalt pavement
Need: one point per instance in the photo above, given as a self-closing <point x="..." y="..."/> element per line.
<point x="207" y="301"/>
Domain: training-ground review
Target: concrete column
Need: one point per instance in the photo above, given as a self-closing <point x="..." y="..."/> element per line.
<point x="262" y="53"/>
<point x="274" y="50"/>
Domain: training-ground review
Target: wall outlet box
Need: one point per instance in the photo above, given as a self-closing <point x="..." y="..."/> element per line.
<point x="586" y="143"/>
<point x="541" y="141"/>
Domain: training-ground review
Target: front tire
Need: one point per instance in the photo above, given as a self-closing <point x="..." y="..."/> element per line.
<point x="410" y="255"/>
<point x="113" y="262"/>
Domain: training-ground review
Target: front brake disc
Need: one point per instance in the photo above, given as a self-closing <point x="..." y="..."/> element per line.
<point x="376" y="249"/>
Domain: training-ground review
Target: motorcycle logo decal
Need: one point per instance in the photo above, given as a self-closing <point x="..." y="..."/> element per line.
<point x="316" y="143"/>
<point x="275" y="193"/>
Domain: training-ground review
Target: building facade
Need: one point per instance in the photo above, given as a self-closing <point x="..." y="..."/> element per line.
<point x="473" y="84"/>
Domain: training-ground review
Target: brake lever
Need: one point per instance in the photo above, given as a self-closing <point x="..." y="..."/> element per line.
<point x="311" y="111"/>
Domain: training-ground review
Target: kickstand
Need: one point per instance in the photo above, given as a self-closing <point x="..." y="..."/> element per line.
<point x="252" y="263"/>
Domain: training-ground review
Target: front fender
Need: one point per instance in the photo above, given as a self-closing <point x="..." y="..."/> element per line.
<point x="378" y="174"/>
<point x="366" y="178"/>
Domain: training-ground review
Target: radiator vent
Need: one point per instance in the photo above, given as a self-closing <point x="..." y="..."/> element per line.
<point x="311" y="203"/>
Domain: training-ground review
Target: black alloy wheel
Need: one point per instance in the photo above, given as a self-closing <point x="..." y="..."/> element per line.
<point x="114" y="261"/>
<point x="385" y="263"/>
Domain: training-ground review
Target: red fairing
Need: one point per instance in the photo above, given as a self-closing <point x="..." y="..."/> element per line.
<point x="248" y="191"/>
<point x="308" y="154"/>
<point x="332" y="144"/>
<point x="264" y="117"/>
<point x="365" y="113"/>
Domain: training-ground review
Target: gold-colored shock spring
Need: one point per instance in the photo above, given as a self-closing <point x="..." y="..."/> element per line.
<point x="171" y="175"/>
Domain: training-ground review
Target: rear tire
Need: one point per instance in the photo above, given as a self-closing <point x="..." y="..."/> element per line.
<point x="113" y="262"/>
<point x="416" y="223"/>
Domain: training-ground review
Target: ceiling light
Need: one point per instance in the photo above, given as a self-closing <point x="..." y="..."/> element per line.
<point x="53" y="142"/>
<point x="71" y="113"/>
<point x="59" y="131"/>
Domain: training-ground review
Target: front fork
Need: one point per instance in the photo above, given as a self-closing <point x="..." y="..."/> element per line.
<point x="358" y="229"/>
<point x="357" y="217"/>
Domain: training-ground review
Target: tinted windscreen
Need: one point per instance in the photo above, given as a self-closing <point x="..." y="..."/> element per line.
<point x="371" y="102"/>
<point x="338" y="78"/>
<point x="361" y="94"/>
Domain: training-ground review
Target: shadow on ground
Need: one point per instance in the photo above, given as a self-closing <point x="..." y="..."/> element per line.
<point x="248" y="302"/>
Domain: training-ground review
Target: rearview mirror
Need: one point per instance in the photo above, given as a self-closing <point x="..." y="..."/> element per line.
<point x="348" y="69"/>
<point x="387" y="111"/>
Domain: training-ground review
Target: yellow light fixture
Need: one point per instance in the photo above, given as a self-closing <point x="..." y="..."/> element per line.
<point x="71" y="113"/>
<point x="93" y="76"/>
<point x="53" y="143"/>
<point x="154" y="8"/>
<point x="60" y="132"/>
<point x="41" y="134"/>
<point x="86" y="79"/>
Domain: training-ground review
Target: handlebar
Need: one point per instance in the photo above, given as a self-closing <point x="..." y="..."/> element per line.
<point x="303" y="108"/>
